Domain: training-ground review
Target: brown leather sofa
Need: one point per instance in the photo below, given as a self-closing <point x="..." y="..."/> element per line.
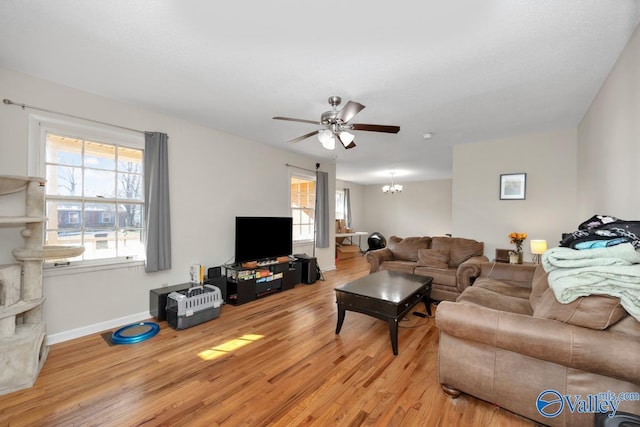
<point x="452" y="262"/>
<point x="507" y="340"/>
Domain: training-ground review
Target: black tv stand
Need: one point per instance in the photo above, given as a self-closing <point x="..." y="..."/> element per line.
<point x="269" y="276"/>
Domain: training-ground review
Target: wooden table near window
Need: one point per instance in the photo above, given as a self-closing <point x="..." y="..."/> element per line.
<point x="353" y="234"/>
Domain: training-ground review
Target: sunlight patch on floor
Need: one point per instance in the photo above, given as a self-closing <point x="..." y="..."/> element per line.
<point x="229" y="346"/>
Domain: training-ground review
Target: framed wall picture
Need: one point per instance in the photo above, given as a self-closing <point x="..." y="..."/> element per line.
<point x="512" y="186"/>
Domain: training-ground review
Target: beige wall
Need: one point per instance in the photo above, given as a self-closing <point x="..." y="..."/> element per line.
<point x="422" y="209"/>
<point x="214" y="177"/>
<point x="469" y="205"/>
<point x="548" y="159"/>
<point x="609" y="142"/>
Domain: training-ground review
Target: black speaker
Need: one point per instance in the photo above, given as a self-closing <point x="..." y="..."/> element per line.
<point x="309" y="268"/>
<point x="214" y="272"/>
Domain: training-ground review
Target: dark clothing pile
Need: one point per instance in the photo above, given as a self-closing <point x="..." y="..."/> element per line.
<point x="601" y="231"/>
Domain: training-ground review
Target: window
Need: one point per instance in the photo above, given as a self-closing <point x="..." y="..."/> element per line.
<point x="303" y="204"/>
<point x="94" y="196"/>
<point x="106" y="218"/>
<point x="74" y="217"/>
<point x="340" y="204"/>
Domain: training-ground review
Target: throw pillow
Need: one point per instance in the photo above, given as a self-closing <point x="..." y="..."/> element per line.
<point x="407" y="249"/>
<point x="461" y="249"/>
<point x="433" y="258"/>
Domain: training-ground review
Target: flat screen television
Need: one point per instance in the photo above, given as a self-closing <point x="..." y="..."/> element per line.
<point x="259" y="238"/>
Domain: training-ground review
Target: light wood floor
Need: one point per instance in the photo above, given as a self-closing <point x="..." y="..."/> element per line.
<point x="275" y="361"/>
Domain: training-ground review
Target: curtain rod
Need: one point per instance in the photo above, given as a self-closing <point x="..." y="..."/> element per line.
<point x="304" y="169"/>
<point x="10" y="102"/>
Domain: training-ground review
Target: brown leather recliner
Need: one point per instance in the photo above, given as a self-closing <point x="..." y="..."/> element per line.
<point x="452" y="262"/>
<point x="507" y="340"/>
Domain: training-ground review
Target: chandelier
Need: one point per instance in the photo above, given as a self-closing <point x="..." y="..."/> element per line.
<point x="393" y="188"/>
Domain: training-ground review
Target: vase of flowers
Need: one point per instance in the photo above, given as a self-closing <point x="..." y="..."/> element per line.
<point x="515" y="257"/>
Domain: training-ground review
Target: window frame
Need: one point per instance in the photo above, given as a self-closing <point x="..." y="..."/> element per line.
<point x="39" y="126"/>
<point x="306" y="177"/>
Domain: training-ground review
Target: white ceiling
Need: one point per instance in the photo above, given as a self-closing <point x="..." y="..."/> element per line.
<point x="466" y="70"/>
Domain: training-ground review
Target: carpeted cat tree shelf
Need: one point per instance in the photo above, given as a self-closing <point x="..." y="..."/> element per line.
<point x="22" y="330"/>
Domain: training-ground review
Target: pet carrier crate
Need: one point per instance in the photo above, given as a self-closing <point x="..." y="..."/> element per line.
<point x="193" y="306"/>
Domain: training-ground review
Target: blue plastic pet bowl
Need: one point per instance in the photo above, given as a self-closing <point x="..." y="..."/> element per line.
<point x="134" y="333"/>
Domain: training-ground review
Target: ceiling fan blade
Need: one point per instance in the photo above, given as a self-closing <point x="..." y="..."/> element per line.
<point x="375" y="128"/>
<point x="351" y="145"/>
<point x="305" y="136"/>
<point x="315" y="122"/>
<point x="349" y="111"/>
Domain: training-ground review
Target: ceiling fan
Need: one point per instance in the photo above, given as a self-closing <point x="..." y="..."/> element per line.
<point x="335" y="124"/>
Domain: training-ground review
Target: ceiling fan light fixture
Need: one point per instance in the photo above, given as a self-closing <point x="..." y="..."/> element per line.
<point x="327" y="139"/>
<point x="346" y="138"/>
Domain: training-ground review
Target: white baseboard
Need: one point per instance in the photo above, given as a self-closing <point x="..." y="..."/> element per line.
<point x="96" y="327"/>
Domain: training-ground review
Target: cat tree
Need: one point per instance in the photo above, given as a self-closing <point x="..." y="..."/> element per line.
<point x="22" y="330"/>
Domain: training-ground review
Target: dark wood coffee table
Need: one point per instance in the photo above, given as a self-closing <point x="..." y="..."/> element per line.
<point x="385" y="295"/>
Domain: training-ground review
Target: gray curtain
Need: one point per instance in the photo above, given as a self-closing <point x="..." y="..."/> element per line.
<point x="347" y="208"/>
<point x="156" y="202"/>
<point x="322" y="210"/>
